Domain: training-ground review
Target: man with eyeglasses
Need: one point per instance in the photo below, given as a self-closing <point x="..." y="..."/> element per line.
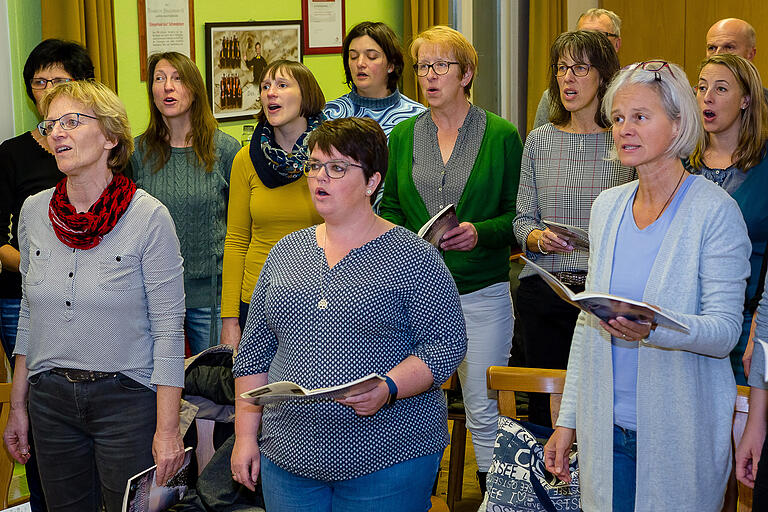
<point x="600" y="20"/>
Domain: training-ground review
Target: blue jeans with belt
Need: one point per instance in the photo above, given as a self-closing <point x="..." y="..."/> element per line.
<point x="90" y="437"/>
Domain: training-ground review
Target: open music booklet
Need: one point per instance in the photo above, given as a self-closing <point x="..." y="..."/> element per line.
<point x="577" y="237"/>
<point x="290" y="391"/>
<point x="434" y="229"/>
<point x="605" y="306"/>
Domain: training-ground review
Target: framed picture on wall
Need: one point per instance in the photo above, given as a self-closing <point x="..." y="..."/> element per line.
<point x="237" y="53"/>
<point x="324" y="22"/>
<point x="165" y="26"/>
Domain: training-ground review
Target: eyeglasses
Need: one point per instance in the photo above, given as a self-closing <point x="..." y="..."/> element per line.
<point x="611" y="34"/>
<point x="576" y="69"/>
<point x="67" y="121"/>
<point x="655" y="66"/>
<point x="42" y="83"/>
<point x="440" y="67"/>
<point x="335" y="169"/>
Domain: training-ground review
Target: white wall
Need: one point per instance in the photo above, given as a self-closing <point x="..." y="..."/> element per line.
<point x="6" y="84"/>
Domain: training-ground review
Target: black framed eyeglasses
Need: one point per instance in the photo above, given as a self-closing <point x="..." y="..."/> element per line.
<point x="577" y="69"/>
<point x="68" y="122"/>
<point x="42" y="83"/>
<point x="655" y="66"/>
<point x="440" y="67"/>
<point x="335" y="169"/>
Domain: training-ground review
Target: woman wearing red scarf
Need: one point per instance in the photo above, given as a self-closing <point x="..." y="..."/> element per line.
<point x="99" y="351"/>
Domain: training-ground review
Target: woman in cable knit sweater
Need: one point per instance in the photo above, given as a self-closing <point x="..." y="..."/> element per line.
<point x="646" y="400"/>
<point x="184" y="161"/>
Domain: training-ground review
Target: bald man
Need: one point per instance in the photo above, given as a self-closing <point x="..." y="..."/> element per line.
<point x="732" y="35"/>
<point x="599" y="20"/>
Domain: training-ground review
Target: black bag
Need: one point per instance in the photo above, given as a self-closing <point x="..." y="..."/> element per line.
<point x="517" y="479"/>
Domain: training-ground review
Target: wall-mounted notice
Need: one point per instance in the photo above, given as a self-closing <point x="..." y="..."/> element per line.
<point x="165" y="26"/>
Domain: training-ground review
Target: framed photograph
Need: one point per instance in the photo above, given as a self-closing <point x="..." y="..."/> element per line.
<point x="324" y="22"/>
<point x="236" y="55"/>
<point x="165" y="26"/>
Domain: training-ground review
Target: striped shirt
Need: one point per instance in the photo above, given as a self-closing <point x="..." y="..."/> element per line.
<point x="117" y="307"/>
<point x="442" y="184"/>
<point x="561" y="174"/>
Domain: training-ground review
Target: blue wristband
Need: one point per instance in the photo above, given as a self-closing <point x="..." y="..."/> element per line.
<point x="392" y="389"/>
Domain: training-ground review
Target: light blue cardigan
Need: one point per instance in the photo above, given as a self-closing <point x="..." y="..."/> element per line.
<point x="685" y="385"/>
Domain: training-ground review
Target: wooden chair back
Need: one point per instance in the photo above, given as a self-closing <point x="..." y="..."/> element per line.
<point x="510" y="379"/>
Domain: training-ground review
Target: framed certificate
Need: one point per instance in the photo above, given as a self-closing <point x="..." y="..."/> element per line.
<point x="324" y="22"/>
<point x="165" y="26"/>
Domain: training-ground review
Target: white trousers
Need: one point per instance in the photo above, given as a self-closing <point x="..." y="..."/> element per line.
<point x="489" y="318"/>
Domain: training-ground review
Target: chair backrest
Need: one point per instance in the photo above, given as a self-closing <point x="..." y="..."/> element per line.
<point x="509" y="379"/>
<point x="740" y="412"/>
<point x="6" y="462"/>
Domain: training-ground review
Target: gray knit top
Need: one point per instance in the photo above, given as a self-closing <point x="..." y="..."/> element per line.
<point x="197" y="201"/>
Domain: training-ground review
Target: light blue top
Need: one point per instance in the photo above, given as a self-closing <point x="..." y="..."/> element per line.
<point x="633" y="258"/>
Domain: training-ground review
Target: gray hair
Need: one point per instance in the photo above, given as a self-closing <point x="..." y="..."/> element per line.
<point x="596" y="13"/>
<point x="676" y="96"/>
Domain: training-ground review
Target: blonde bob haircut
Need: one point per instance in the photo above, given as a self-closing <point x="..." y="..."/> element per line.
<point x="753" y="122"/>
<point x="454" y="42"/>
<point x="107" y="108"/>
<point x="676" y="95"/>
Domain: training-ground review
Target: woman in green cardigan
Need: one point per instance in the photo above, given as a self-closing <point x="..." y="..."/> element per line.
<point x="458" y="153"/>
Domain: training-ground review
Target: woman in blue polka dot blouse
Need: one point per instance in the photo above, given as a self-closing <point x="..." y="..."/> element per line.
<point x="335" y="302"/>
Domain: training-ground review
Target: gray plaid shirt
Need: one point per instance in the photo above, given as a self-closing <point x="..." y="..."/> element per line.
<point x="561" y="174"/>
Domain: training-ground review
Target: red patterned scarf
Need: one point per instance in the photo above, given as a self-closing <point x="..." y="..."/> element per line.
<point x="85" y="230"/>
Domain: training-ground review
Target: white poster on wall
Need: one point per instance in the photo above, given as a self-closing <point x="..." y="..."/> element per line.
<point x="168" y="27"/>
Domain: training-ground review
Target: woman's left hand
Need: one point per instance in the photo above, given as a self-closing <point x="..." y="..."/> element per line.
<point x="461" y="238"/>
<point x="622" y="327"/>
<point x="168" y="452"/>
<point x="368" y="403"/>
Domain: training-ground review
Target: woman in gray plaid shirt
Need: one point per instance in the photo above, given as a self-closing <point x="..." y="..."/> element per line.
<point x="564" y="168"/>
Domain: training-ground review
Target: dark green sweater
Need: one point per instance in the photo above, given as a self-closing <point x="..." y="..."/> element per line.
<point x="197" y="201"/>
<point x="488" y="200"/>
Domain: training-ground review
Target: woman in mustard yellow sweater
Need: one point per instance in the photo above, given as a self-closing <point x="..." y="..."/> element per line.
<point x="268" y="195"/>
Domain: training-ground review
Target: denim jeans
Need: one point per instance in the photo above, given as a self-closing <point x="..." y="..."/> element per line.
<point x="489" y="319"/>
<point x="90" y="437"/>
<point x="9" y="322"/>
<point x="197" y="325"/>
<point x="404" y="487"/>
<point x="624" y="469"/>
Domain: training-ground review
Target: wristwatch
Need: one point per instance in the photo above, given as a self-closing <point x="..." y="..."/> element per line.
<point x="392" y="390"/>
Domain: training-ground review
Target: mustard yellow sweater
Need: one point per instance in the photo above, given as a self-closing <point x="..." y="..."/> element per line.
<point x="257" y="218"/>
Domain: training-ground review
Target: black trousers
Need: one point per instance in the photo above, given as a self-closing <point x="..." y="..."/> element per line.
<point x="547" y="324"/>
<point x="760" y="493"/>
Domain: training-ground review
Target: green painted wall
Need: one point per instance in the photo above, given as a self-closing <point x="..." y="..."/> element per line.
<point x="327" y="68"/>
<point x="24" y="19"/>
<point x="25" y="33"/>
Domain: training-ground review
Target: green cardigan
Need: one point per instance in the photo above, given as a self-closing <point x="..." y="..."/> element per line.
<point x="488" y="200"/>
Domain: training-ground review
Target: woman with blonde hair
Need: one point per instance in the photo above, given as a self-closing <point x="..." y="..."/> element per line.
<point x="100" y="347"/>
<point x="269" y="196"/>
<point x="184" y="160"/>
<point x="457" y="153"/>
<point x="733" y="155"/>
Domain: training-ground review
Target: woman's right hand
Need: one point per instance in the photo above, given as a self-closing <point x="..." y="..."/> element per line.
<point x="230" y="332"/>
<point x="556" y="452"/>
<point x="16" y="435"/>
<point x="548" y="241"/>
<point x="246" y="461"/>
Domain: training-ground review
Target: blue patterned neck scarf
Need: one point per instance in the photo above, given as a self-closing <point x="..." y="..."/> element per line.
<point x="274" y="165"/>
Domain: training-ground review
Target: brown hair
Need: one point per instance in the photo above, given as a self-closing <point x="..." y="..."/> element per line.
<point x="109" y="111"/>
<point x="384" y="37"/>
<point x="753" y="125"/>
<point x="588" y="47"/>
<point x="360" y="138"/>
<point x="312" y="98"/>
<point x="454" y="41"/>
<point x="203" y="124"/>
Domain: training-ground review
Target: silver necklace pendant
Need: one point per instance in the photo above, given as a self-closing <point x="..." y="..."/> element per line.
<point x="322" y="304"/>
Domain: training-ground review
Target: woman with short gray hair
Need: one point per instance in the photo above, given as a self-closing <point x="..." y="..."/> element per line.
<point x="678" y="242"/>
